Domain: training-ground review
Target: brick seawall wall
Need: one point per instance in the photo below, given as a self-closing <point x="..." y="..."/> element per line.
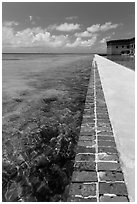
<point x="97" y="175"/>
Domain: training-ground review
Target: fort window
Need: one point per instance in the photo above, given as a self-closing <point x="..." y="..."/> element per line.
<point x="122" y="46"/>
<point x="128" y="46"/>
<point x="116" y="46"/>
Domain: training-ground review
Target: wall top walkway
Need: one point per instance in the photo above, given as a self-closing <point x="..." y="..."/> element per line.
<point x="118" y="85"/>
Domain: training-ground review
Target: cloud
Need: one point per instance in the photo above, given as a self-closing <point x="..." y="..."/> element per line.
<point x="10" y="23"/>
<point x="30" y="18"/>
<point x="82" y="43"/>
<point x="83" y="34"/>
<point x="105" y="39"/>
<point x="66" y="27"/>
<point x="94" y="28"/>
<point x="7" y="35"/>
<point x="42" y="37"/>
<point x="32" y="37"/>
<point x="71" y="18"/>
<point x="103" y="27"/>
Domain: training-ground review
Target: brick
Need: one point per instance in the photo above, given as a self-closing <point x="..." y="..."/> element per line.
<point x="80" y="199"/>
<point x="110" y="176"/>
<point x="102" y="111"/>
<point x="81" y="189"/>
<point x="89" y="106"/>
<point x="107" y="157"/>
<point x="90" y="96"/>
<point x="85" y="157"/>
<point x="113" y="188"/>
<point x="87" y="129"/>
<point x="106" y="198"/>
<point x="110" y="138"/>
<point x="103" y="121"/>
<point x="88" y="116"/>
<point x="106" y="143"/>
<point x="111" y="150"/>
<point x="86" y="143"/>
<point x="102" y="116"/>
<point x="82" y="149"/>
<point x="105" y="133"/>
<point x="104" y="129"/>
<point x="88" y="125"/>
<point x="90" y="100"/>
<point x="88" y="111"/>
<point x="99" y="110"/>
<point x="108" y="166"/>
<point x="101" y="105"/>
<point x="85" y="166"/>
<point x="107" y="125"/>
<point x="84" y="176"/>
<point x="88" y="120"/>
<point x="87" y="138"/>
<point x="85" y="133"/>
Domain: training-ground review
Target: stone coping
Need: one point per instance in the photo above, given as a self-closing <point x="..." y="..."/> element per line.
<point x="118" y="85"/>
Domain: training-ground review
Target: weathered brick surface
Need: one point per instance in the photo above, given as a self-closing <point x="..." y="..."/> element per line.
<point x="107" y="157"/>
<point x="102" y="116"/>
<point x="87" y="129"/>
<point x="82" y="149"/>
<point x="84" y="176"/>
<point x="110" y="176"/>
<point x="113" y="188"/>
<point x="111" y="150"/>
<point x="102" y="124"/>
<point x="89" y="106"/>
<point x="102" y="121"/>
<point x="87" y="125"/>
<point x="89" y="111"/>
<point x="106" y="143"/>
<point x="85" y="166"/>
<point x="106" y="138"/>
<point x="104" y="129"/>
<point x="80" y="199"/>
<point x="88" y="119"/>
<point x="97" y="171"/>
<point x="83" y="189"/>
<point x="86" y="133"/>
<point x="87" y="143"/>
<point x="87" y="138"/>
<point x="105" y="133"/>
<point x="108" y="166"/>
<point x="85" y="157"/>
<point x="106" y="198"/>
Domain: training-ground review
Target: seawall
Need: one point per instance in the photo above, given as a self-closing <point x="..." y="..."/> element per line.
<point x="105" y="151"/>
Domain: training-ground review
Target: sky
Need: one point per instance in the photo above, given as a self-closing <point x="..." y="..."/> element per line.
<point x="65" y="27"/>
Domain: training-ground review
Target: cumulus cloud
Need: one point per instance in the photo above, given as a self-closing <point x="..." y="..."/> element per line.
<point x="39" y="37"/>
<point x="83" y="34"/>
<point x="7" y="35"/>
<point x="105" y="39"/>
<point x="30" y="18"/>
<point x="10" y="23"/>
<point x="71" y="17"/>
<point x="82" y="43"/>
<point x="66" y="27"/>
<point x="103" y="27"/>
<point x="31" y="38"/>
